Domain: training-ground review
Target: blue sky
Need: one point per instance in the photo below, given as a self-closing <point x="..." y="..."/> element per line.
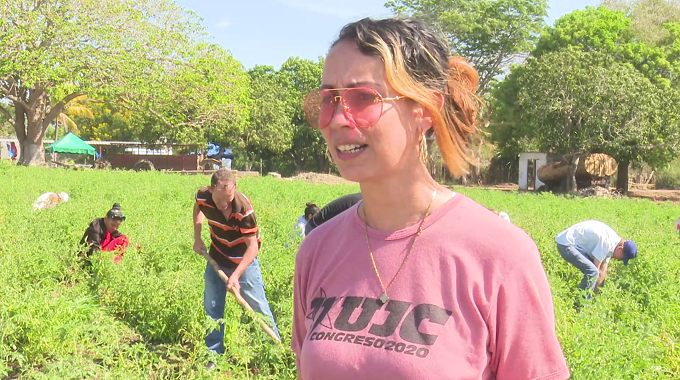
<point x="267" y="32"/>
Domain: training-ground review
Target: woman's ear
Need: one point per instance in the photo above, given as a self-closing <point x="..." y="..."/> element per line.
<point x="424" y="116"/>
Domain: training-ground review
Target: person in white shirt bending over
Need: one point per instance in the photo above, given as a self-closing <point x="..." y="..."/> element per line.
<point x="589" y="246"/>
<point x="310" y="210"/>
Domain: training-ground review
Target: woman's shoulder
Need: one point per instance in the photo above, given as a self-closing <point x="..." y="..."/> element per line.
<point x="473" y="226"/>
<point x="330" y="233"/>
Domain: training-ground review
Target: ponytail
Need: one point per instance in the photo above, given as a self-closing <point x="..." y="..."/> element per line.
<point x="458" y="118"/>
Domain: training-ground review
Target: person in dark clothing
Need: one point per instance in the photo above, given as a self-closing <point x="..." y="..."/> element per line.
<point x="102" y="234"/>
<point x="331" y="210"/>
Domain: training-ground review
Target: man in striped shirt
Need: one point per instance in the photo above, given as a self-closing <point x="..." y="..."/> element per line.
<point x="235" y="241"/>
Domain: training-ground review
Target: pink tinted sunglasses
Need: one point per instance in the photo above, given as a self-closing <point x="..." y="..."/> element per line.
<point x="363" y="106"/>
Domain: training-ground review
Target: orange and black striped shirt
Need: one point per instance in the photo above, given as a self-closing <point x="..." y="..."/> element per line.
<point x="227" y="235"/>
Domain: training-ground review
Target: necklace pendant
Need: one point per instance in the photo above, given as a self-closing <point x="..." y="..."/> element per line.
<point x="384" y="298"/>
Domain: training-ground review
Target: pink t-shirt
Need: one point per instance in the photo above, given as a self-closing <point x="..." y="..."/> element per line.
<point x="472" y="302"/>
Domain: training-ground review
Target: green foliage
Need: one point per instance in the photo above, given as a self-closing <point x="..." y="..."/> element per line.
<point x="599" y="29"/>
<point x="299" y="77"/>
<point x="276" y="130"/>
<point x="203" y="100"/>
<point x="648" y="17"/>
<point x="603" y="30"/>
<point x="143" y="318"/>
<point x="490" y="33"/>
<point x="669" y="178"/>
<point x="111" y="122"/>
<point x="148" y="56"/>
<point x="573" y="101"/>
<point x="593" y="85"/>
<point x="270" y="131"/>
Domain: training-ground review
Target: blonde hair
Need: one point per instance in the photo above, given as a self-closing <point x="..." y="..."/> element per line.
<point x="418" y="66"/>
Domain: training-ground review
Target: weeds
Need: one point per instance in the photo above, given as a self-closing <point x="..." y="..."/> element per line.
<point x="143" y="318"/>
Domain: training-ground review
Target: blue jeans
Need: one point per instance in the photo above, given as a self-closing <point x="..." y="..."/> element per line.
<point x="576" y="257"/>
<point x="252" y="290"/>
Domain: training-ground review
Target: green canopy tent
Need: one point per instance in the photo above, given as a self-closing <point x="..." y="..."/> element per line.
<point x="71" y="143"/>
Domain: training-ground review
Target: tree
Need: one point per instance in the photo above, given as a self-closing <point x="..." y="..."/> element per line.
<point x="491" y="34"/>
<point x="203" y="99"/>
<point x="6" y="129"/>
<point x="572" y="102"/>
<point x="648" y="17"/>
<point x="269" y="132"/>
<point x="607" y="31"/>
<point x="74" y="108"/>
<point x="308" y="149"/>
<point x="111" y="121"/>
<point x="53" y="51"/>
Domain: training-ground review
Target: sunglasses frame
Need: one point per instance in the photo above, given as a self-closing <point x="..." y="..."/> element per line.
<point x="345" y="108"/>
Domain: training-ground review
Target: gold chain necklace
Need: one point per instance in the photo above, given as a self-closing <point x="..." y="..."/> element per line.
<point x="384" y="298"/>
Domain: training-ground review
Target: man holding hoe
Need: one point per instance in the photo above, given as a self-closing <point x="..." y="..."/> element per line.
<point x="589" y="246"/>
<point x="235" y="242"/>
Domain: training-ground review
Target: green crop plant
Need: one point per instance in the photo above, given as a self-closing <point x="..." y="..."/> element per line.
<point x="143" y="318"/>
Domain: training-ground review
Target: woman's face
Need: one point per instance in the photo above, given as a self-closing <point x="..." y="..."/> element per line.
<point x="365" y="154"/>
<point x="112" y="224"/>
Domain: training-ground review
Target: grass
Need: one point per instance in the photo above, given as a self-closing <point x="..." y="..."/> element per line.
<point x="143" y="319"/>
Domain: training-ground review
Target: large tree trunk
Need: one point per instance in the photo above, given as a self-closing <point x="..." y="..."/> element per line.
<point x="622" y="177"/>
<point x="246" y="162"/>
<point x="31" y="154"/>
<point x="36" y="127"/>
<point x="571" y="175"/>
<point x="33" y="115"/>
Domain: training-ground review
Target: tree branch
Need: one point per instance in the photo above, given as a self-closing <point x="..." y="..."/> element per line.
<point x="56" y="110"/>
<point x="7" y="115"/>
<point x="17" y="101"/>
<point x="163" y="119"/>
<point x="38" y="5"/>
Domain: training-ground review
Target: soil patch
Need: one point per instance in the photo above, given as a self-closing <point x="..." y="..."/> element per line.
<point x="656" y="195"/>
<point x="653" y="195"/>
<point x="320" y="178"/>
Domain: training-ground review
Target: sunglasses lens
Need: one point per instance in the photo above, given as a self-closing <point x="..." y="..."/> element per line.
<point x="365" y="106"/>
<point x="318" y="108"/>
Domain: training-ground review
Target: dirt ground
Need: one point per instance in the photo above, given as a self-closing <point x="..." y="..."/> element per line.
<point x="653" y="195"/>
<point x="320" y="178"/>
<point x="657" y="195"/>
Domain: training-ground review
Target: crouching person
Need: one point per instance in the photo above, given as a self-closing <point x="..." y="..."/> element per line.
<point x="102" y="234"/>
<point x="589" y="246"/>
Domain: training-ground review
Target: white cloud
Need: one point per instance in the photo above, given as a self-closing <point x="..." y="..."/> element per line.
<point x="223" y="23"/>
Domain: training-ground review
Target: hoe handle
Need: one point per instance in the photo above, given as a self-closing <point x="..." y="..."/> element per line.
<point x="238" y="297"/>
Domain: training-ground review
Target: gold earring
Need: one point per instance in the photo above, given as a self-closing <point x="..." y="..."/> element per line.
<point x="423" y="149"/>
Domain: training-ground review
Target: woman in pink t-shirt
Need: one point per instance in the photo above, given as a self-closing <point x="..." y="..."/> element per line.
<point x="415" y="281"/>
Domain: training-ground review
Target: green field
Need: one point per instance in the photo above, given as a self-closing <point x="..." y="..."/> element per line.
<point x="143" y="319"/>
